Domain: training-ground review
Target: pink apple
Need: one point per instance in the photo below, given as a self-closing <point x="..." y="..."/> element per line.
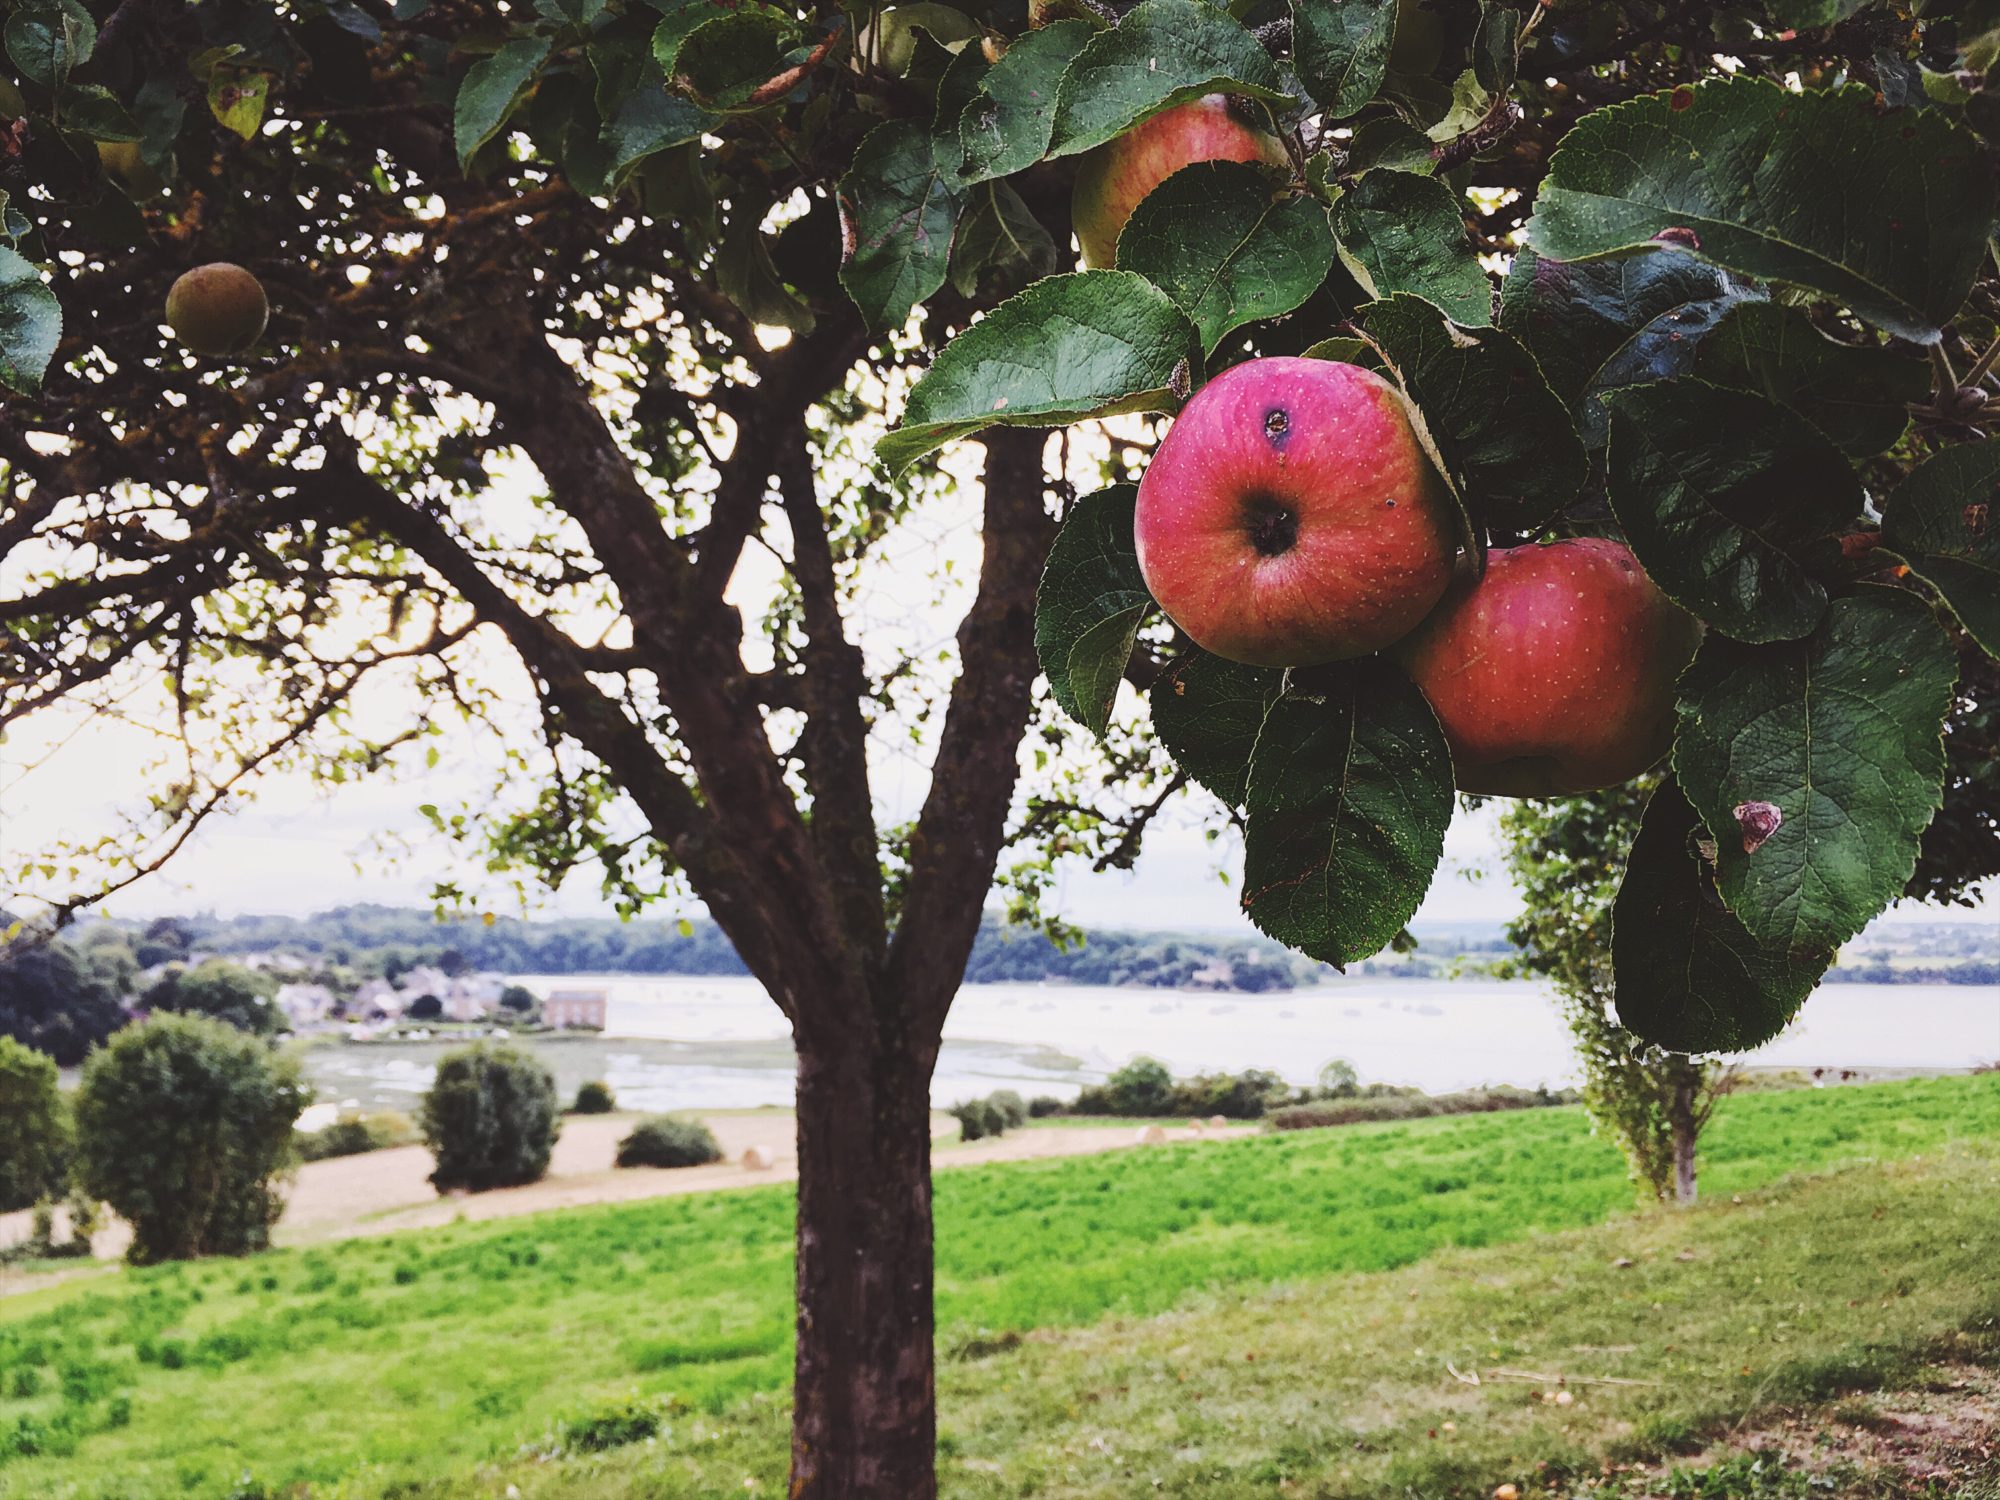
<point x="1555" y="672"/>
<point x="1291" y="517"/>
<point x="1111" y="181"/>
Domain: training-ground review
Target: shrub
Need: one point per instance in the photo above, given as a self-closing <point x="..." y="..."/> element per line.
<point x="426" y="1008"/>
<point x="664" y="1141"/>
<point x="1043" y="1105"/>
<point x="1413" y="1104"/>
<point x="351" y="1135"/>
<point x="34" y="1127"/>
<point x="222" y="991"/>
<point x="1142" y="1087"/>
<point x="594" y="1098"/>
<point x="1238" y="1096"/>
<point x="1013" y="1111"/>
<point x="490" y="1119"/>
<point x="518" y="997"/>
<point x="184" y="1126"/>
<point x="978" y="1118"/>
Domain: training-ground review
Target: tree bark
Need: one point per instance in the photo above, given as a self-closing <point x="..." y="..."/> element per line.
<point x="1685" y="1127"/>
<point x="864" y="1419"/>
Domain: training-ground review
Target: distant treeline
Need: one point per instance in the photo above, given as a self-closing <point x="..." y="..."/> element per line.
<point x="1972" y="972"/>
<point x="390" y="940"/>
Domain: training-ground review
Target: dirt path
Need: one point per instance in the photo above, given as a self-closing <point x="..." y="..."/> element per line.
<point x="388" y="1190"/>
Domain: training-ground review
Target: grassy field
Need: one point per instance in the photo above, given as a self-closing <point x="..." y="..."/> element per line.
<point x="411" y="1364"/>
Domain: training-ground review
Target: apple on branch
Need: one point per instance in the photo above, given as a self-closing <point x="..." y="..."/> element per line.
<point x="1115" y="178"/>
<point x="1554" y="672"/>
<point x="1291" y="517"/>
<point x="217" y="309"/>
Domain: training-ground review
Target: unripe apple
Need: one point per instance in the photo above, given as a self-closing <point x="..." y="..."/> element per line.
<point x="1554" y="673"/>
<point x="1112" y="180"/>
<point x="217" y="309"/>
<point x="1291" y="517"/>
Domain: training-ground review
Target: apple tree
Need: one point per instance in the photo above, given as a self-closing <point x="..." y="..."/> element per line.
<point x="506" y="343"/>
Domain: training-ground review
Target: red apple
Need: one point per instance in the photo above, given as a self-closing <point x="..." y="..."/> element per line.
<point x="1291" y="517"/>
<point x="1113" y="179"/>
<point x="1555" y="672"/>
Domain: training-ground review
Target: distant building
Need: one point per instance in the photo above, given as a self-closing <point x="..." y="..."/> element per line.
<point x="576" y="1008"/>
<point x="302" y="1003"/>
<point x="377" y="999"/>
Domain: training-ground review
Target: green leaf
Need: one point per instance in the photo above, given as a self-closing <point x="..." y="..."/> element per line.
<point x="724" y="61"/>
<point x="1390" y="141"/>
<point x="236" y="97"/>
<point x="639" y="115"/>
<point x="1686" y="974"/>
<point x="30" y="324"/>
<point x="47" y="39"/>
<point x="1403" y="233"/>
<point x="1941" y="520"/>
<point x="1225" y="243"/>
<point x="1841" y="732"/>
<point x="1164" y="52"/>
<point x="1598" y="325"/>
<point x="1887" y="212"/>
<point x="1723" y="495"/>
<point x="1090" y="344"/>
<point x="1496" y="47"/>
<point x="1341" y="49"/>
<point x="1857" y="394"/>
<point x="900" y="202"/>
<point x="492" y="89"/>
<point x="1811" y="15"/>
<point x="1090" y="605"/>
<point x="1000" y="246"/>
<point x="1349" y="795"/>
<point x="678" y="22"/>
<point x="1007" y="127"/>
<point x="1503" y="438"/>
<point x="93" y="110"/>
<point x="745" y="275"/>
<point x="1208" y="712"/>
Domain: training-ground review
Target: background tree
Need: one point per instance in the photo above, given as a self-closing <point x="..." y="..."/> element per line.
<point x="222" y="991"/>
<point x="490" y="1118"/>
<point x="53" y="1003"/>
<point x="184" y="1126"/>
<point x="1566" y="856"/>
<point x="585" y="317"/>
<point x="34" y="1128"/>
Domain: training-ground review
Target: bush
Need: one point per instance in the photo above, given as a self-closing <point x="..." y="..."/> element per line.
<point x="426" y="1008"/>
<point x="518" y="997"/>
<point x="664" y="1141"/>
<point x="1238" y="1096"/>
<point x="184" y="1126"/>
<point x="222" y="991"/>
<point x="977" y="1119"/>
<point x="52" y="1002"/>
<point x="490" y="1119"/>
<point x="352" y="1135"/>
<point x="594" y="1098"/>
<point x="1013" y="1112"/>
<point x="1142" y="1087"/>
<point x="1381" y="1103"/>
<point x="1043" y="1105"/>
<point x="34" y="1128"/>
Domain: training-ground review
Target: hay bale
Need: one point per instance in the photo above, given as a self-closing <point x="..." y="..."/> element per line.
<point x="1196" y="1126"/>
<point x="1217" y="1122"/>
<point x="758" y="1159"/>
<point x="1151" y="1135"/>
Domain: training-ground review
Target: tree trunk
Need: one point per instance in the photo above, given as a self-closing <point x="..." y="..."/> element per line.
<point x="1681" y="1117"/>
<point x="864" y="1423"/>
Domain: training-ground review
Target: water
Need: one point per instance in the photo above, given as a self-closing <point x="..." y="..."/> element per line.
<point x="674" y="1042"/>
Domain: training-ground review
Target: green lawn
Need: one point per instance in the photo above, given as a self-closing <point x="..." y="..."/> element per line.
<point x="368" y="1367"/>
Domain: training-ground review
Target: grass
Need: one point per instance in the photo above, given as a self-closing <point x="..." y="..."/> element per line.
<point x="388" y="1366"/>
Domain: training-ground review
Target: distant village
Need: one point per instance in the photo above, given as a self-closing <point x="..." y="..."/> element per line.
<point x="423" y="994"/>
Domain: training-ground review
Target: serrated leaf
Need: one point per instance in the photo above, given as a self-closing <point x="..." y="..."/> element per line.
<point x="491" y="90"/>
<point x="1228" y="245"/>
<point x="1163" y="53"/>
<point x="1208" y="712"/>
<point x="1090" y="605"/>
<point x="1857" y="395"/>
<point x="900" y="203"/>
<point x="1943" y="522"/>
<point x="678" y="21"/>
<point x="639" y="115"/>
<point x="30" y="324"/>
<point x="48" y="39"/>
<point x="1341" y="49"/>
<point x="1400" y="232"/>
<point x="1007" y="126"/>
<point x="1886" y="211"/>
<point x="1582" y="319"/>
<point x="1687" y="976"/>
<point x="1722" y="496"/>
<point x="1506" y="442"/>
<point x="722" y="62"/>
<point x="1349" y="795"/>
<point x="1094" y="343"/>
<point x="1000" y="245"/>
<point x="1841" y="733"/>
<point x="1393" y="142"/>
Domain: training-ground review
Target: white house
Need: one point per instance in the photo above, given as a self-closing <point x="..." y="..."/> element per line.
<point x="378" y="997"/>
<point x="302" y="1003"/>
